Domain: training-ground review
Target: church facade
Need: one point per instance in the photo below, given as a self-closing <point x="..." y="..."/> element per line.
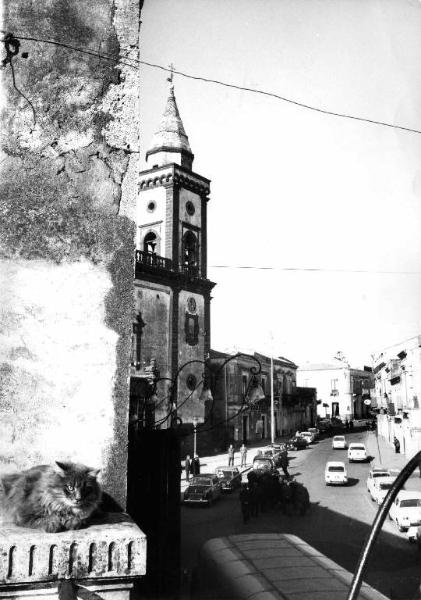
<point x="171" y="332"/>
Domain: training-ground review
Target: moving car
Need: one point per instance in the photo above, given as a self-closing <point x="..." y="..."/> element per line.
<point x="308" y="436"/>
<point x="406" y="509"/>
<point x="339" y="442"/>
<point x="373" y="475"/>
<point x="357" y="452"/>
<point x="203" y="489"/>
<point x="335" y="473"/>
<point x="380" y="488"/>
<point x="229" y="478"/>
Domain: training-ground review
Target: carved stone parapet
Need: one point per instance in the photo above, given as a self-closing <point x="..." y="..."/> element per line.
<point x="110" y="550"/>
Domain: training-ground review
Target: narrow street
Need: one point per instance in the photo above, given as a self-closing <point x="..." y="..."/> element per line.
<point x="337" y="524"/>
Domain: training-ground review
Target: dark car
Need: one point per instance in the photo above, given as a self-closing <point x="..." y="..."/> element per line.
<point x="298" y="443"/>
<point x="229" y="478"/>
<point x="264" y="463"/>
<point x="203" y="489"/>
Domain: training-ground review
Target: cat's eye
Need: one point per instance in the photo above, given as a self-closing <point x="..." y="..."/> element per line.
<point x="70" y="487"/>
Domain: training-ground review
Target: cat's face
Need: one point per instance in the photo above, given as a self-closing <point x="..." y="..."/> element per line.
<point x="79" y="485"/>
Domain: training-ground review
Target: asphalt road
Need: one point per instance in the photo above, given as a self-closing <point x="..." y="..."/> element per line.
<point x="337" y="524"/>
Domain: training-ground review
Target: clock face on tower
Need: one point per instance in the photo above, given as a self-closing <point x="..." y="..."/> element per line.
<point x="191" y="304"/>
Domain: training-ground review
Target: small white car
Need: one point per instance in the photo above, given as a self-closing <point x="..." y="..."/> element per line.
<point x="358" y="452"/>
<point x="308" y="436"/>
<point x="406" y="509"/>
<point x="335" y="473"/>
<point x="380" y="488"/>
<point x="375" y="474"/>
<point x="339" y="442"/>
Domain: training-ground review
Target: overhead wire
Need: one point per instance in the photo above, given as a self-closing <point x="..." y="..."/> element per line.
<point x="217" y="82"/>
<point x="314" y="269"/>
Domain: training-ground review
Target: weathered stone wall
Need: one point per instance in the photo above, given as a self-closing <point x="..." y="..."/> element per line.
<point x="67" y="189"/>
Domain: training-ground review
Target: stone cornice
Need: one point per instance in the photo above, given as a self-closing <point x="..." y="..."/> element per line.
<point x="174" y="174"/>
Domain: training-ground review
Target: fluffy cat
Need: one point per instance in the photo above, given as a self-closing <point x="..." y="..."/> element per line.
<point x="44" y="498"/>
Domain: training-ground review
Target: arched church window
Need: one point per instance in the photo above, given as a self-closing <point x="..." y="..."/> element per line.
<point x="189" y="249"/>
<point x="150" y="243"/>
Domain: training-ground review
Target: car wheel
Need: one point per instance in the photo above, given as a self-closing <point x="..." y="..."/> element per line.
<point x="399" y="526"/>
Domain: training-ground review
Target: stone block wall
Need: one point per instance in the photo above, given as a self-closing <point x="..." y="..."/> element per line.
<point x="68" y="168"/>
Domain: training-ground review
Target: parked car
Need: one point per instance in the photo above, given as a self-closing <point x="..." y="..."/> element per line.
<point x="297" y="443"/>
<point x="273" y="454"/>
<point x="203" y="489"/>
<point x="264" y="463"/>
<point x="229" y="478"/>
<point x="375" y="474"/>
<point x="336" y="422"/>
<point x="380" y="488"/>
<point x="414" y="534"/>
<point x="357" y="452"/>
<point x="308" y="436"/>
<point x="339" y="442"/>
<point x="406" y="509"/>
<point x="324" y="425"/>
<point x="315" y="432"/>
<point x="335" y="473"/>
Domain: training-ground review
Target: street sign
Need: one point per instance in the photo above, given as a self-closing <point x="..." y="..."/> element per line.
<point x="367" y="402"/>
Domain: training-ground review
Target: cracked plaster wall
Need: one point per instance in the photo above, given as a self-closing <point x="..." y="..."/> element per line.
<point x="67" y="185"/>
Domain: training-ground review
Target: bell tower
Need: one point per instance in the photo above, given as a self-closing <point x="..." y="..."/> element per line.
<point x="172" y="290"/>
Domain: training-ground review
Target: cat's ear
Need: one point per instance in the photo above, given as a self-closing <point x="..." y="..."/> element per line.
<point x="94" y="472"/>
<point x="63" y="466"/>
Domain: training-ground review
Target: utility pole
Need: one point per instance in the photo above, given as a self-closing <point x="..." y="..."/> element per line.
<point x="272" y="403"/>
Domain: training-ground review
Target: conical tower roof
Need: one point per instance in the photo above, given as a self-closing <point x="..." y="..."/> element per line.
<point x="171" y="136"/>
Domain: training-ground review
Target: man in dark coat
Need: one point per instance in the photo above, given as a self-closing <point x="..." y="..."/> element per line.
<point x="187" y="467"/>
<point x="245" y="502"/>
<point x="195" y="465"/>
<point x="283" y="461"/>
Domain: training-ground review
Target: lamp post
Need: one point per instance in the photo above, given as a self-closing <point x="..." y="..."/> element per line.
<point x="195" y="422"/>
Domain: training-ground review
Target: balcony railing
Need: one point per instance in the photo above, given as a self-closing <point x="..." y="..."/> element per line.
<point x="149" y="259"/>
<point x="153" y="260"/>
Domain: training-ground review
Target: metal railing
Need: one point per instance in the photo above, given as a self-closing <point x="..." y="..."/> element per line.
<point x="150" y="259"/>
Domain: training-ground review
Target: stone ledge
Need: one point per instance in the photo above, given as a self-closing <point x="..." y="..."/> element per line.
<point x="113" y="547"/>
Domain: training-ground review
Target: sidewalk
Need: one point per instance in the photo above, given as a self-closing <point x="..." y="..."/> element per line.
<point x="385" y="456"/>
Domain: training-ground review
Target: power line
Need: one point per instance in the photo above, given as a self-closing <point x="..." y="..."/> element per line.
<point x="314" y="270"/>
<point x="219" y="82"/>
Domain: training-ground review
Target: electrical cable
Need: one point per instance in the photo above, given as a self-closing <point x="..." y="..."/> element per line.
<point x="221" y="83"/>
<point x="315" y="270"/>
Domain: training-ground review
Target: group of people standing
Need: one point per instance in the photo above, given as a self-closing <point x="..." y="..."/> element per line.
<point x="231" y="455"/>
<point x="192" y="466"/>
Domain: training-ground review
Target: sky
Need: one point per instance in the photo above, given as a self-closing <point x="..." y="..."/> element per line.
<point x="293" y="188"/>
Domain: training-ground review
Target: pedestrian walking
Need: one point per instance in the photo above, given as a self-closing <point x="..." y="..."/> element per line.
<point x="187" y="467"/>
<point x="231" y="455"/>
<point x="195" y="465"/>
<point x="397" y="445"/>
<point x="283" y="461"/>
<point x="245" y="502"/>
<point x="243" y="455"/>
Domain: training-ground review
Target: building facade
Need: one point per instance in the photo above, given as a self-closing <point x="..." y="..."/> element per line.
<point x="397" y="371"/>
<point x="341" y="391"/>
<point x="240" y="410"/>
<point x="171" y="332"/>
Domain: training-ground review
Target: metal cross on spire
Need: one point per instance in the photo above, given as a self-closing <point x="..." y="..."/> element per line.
<point x="171" y="76"/>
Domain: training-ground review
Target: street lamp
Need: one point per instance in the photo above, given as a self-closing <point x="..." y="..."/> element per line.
<point x="195" y="422"/>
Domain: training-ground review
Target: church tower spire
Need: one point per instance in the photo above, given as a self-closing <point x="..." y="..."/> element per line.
<point x="170" y="143"/>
